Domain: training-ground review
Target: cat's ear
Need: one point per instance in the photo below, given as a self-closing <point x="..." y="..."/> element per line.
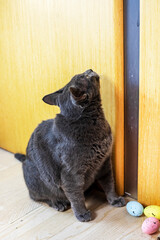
<point x="52" y="98"/>
<point x="77" y="94"/>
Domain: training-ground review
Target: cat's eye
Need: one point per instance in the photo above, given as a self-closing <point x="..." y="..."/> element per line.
<point x="95" y="79"/>
<point x="87" y="97"/>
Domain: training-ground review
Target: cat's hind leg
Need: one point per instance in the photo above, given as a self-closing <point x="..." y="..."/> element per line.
<point x="37" y="198"/>
<point x="39" y="192"/>
<point x="60" y="205"/>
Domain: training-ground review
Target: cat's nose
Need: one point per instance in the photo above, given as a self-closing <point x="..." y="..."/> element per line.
<point x="89" y="71"/>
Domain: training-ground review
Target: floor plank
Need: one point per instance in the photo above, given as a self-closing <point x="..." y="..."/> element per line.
<point x="23" y="219"/>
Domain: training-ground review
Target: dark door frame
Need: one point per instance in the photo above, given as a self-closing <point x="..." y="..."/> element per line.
<point x="131" y="104"/>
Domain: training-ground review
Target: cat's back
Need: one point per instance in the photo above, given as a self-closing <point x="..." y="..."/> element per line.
<point x="41" y="137"/>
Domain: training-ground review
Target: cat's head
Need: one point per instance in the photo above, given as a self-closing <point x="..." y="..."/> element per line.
<point x="77" y="94"/>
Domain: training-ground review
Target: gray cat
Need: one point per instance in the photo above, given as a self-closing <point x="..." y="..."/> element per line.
<point x="67" y="154"/>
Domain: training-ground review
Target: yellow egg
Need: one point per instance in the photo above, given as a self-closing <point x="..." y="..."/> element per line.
<point x="152" y="211"/>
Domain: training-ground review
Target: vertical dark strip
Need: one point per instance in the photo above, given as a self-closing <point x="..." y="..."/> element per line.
<point x="131" y="71"/>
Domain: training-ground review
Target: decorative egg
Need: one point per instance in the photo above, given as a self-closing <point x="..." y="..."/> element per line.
<point x="150" y="225"/>
<point x="134" y="208"/>
<point x="152" y="211"/>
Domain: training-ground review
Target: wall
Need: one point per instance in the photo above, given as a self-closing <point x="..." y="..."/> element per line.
<point x="149" y="110"/>
<point x="43" y="43"/>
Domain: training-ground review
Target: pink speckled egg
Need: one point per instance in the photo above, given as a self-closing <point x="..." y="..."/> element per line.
<point x="150" y="225"/>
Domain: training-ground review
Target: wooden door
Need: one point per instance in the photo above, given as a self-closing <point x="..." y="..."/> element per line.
<point x="43" y="43"/>
<point x="149" y="108"/>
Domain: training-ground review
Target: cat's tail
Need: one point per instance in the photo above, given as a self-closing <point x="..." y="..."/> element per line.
<point x="20" y="157"/>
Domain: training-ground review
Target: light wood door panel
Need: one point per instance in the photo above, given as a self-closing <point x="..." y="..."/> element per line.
<point x="43" y="43"/>
<point x="149" y="111"/>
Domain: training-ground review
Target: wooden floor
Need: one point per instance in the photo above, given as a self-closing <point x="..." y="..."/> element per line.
<point x="23" y="219"/>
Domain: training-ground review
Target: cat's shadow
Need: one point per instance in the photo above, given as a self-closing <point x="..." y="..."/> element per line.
<point x="95" y="199"/>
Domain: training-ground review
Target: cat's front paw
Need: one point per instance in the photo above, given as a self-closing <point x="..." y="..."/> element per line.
<point x="85" y="217"/>
<point x="117" y="201"/>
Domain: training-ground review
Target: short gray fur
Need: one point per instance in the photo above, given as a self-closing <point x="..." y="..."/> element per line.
<point x="67" y="154"/>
